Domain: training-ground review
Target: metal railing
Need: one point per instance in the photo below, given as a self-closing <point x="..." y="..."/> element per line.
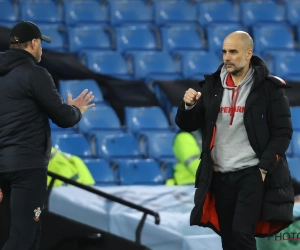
<point x="93" y="190"/>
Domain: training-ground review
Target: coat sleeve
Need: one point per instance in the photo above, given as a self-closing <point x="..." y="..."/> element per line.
<point x="192" y="119"/>
<point x="46" y="95"/>
<point x="281" y="130"/>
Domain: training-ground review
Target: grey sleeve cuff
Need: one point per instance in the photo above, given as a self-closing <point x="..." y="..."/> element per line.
<point x="189" y="107"/>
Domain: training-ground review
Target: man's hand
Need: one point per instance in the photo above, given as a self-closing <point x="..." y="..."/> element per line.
<point x="1" y="195"/>
<point x="191" y="97"/>
<point x="82" y="101"/>
<point x="263" y="175"/>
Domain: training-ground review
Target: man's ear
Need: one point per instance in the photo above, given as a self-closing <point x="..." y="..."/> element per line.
<point x="249" y="54"/>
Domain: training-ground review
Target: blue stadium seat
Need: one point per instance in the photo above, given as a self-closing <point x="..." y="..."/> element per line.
<point x="112" y="145"/>
<point x="293" y="12"/>
<point x="101" y="172"/>
<point x="7" y="24"/>
<point x="273" y="37"/>
<point x="294" y="165"/>
<point x="262" y="12"/>
<point x="145" y="63"/>
<point x="199" y="63"/>
<point x="156" y="144"/>
<point x="75" y="144"/>
<point x="88" y="11"/>
<point x="7" y="12"/>
<point x="109" y="63"/>
<point x="139" y="172"/>
<point x="75" y="87"/>
<point x="217" y="12"/>
<point x="172" y="118"/>
<point x="216" y="33"/>
<point x="133" y="37"/>
<point x="145" y="118"/>
<point x="175" y="37"/>
<point x="91" y="36"/>
<point x="130" y="12"/>
<point x="167" y="167"/>
<point x="295" y="113"/>
<point x="286" y="66"/>
<point x="168" y="12"/>
<point x="100" y="117"/>
<point x="289" y="152"/>
<point x="58" y="36"/>
<point x="39" y="11"/>
<point x="296" y="144"/>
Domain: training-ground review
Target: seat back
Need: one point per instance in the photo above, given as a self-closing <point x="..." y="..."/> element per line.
<point x="101" y="171"/>
<point x="294" y="165"/>
<point x="296" y="144"/>
<point x="134" y="37"/>
<point x="116" y="145"/>
<point x="7" y="12"/>
<point x="167" y="12"/>
<point x="100" y="117"/>
<point x="200" y="63"/>
<point x="295" y="113"/>
<point x="217" y="12"/>
<point x="130" y="12"/>
<point x="75" y="144"/>
<point x="261" y="12"/>
<point x="145" y="63"/>
<point x="145" y="118"/>
<point x="273" y="36"/>
<point x="286" y="65"/>
<point x="157" y="144"/>
<point x="89" y="37"/>
<point x="88" y="11"/>
<point x="75" y="87"/>
<point x="109" y="63"/>
<point x="139" y="172"/>
<point x="175" y="37"/>
<point x="39" y="11"/>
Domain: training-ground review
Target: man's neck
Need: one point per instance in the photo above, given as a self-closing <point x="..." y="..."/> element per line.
<point x="237" y="79"/>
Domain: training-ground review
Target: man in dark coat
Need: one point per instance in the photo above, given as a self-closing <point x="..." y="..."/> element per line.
<point x="243" y="183"/>
<point x="28" y="98"/>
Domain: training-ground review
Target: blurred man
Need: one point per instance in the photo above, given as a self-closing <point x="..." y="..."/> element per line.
<point x="28" y="98"/>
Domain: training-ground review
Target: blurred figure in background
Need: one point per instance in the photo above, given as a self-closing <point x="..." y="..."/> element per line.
<point x="187" y="151"/>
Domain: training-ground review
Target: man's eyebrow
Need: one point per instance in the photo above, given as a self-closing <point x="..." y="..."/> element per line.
<point x="230" y="50"/>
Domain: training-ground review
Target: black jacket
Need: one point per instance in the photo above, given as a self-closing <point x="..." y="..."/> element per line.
<point x="268" y="137"/>
<point x="28" y="97"/>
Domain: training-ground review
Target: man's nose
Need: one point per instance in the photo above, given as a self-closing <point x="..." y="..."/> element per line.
<point x="226" y="57"/>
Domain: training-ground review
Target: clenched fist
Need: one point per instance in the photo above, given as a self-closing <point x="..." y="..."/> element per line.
<point x="191" y="97"/>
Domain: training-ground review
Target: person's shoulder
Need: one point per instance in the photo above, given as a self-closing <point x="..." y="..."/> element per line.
<point x="276" y="81"/>
<point x="40" y="71"/>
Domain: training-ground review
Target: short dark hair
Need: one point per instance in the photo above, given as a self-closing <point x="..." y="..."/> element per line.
<point x="13" y="43"/>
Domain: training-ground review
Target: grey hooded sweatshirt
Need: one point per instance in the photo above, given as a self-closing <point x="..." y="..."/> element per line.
<point x="231" y="150"/>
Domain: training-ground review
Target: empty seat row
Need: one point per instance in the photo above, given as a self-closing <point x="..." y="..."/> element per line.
<point x="128" y="172"/>
<point x="104" y="118"/>
<point x="159" y="12"/>
<point x="116" y="145"/>
<point x="169" y="39"/>
<point x="182" y="64"/>
<point x="151" y="64"/>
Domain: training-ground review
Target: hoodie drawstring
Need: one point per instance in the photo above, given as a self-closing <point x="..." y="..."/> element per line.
<point x="235" y="96"/>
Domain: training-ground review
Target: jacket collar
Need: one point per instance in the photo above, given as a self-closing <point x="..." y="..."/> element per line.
<point x="26" y="53"/>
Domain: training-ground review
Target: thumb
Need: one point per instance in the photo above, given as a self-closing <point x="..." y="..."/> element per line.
<point x="198" y="95"/>
<point x="69" y="97"/>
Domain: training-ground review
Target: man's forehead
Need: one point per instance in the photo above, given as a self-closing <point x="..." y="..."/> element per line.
<point x="230" y="44"/>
